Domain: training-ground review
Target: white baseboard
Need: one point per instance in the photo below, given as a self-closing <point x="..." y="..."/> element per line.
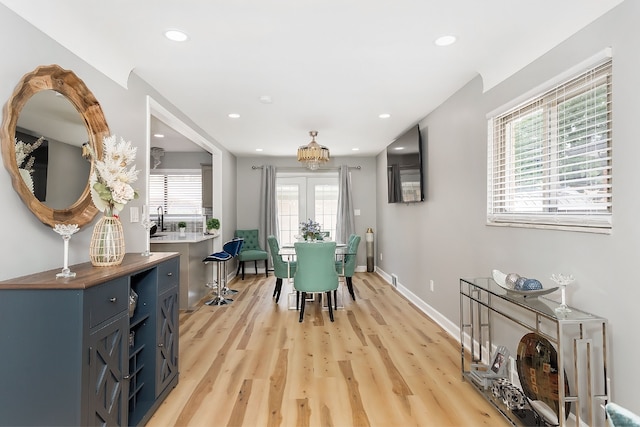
<point x="450" y="327"/>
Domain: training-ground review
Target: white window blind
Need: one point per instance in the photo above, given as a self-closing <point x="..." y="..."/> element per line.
<point x="549" y="159"/>
<point x="178" y="193"/>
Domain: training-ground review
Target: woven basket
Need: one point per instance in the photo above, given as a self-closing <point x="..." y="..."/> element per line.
<point x="107" y="242"/>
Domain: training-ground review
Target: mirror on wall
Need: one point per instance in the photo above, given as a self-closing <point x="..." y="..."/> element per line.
<point x="54" y="113"/>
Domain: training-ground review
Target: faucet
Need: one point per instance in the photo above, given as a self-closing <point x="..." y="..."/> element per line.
<point x="161" y="218"/>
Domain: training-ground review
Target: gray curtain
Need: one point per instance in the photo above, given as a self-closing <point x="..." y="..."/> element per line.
<point x="268" y="206"/>
<point x="345" y="222"/>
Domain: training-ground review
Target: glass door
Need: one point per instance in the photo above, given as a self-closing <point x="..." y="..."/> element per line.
<point x="306" y="197"/>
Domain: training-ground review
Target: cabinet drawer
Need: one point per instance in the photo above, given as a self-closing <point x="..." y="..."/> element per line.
<point x="106" y="300"/>
<point x="168" y="274"/>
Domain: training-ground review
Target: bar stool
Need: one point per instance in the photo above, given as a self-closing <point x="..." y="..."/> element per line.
<point x="229" y="250"/>
<point x="233" y="248"/>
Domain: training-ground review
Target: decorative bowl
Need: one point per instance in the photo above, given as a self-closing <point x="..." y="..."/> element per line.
<point x="500" y="278"/>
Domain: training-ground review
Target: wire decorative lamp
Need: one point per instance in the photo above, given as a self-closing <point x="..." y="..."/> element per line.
<point x="313" y="154"/>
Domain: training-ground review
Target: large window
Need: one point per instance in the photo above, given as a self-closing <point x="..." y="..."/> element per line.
<point x="178" y="192"/>
<point x="301" y="198"/>
<point x="549" y="160"/>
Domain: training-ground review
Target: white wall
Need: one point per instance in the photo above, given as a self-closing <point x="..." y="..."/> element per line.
<point x="448" y="238"/>
<point x="27" y="245"/>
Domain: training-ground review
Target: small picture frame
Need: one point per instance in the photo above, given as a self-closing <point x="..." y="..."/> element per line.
<point x="485" y="374"/>
<point x="499" y="360"/>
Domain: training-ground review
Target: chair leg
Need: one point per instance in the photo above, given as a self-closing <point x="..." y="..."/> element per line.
<point x="350" y="287"/>
<point x="276" y="291"/>
<point x="304" y="297"/>
<point x="329" y="305"/>
<point x="266" y="268"/>
<point x="239" y="265"/>
<point x="297" y="300"/>
<point x="242" y="270"/>
<point x="255" y="263"/>
<point x="335" y="299"/>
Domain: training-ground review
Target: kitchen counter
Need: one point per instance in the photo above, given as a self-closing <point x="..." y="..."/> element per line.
<point x="194" y="274"/>
<point x="175" y="237"/>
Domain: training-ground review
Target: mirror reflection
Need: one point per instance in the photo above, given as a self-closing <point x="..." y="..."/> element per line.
<point x="57" y="171"/>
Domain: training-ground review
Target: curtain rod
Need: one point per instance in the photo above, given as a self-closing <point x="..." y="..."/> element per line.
<point x="300" y="168"/>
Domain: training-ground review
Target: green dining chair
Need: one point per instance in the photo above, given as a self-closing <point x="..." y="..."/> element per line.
<point x="251" y="251"/>
<point x="315" y="271"/>
<point x="347" y="266"/>
<point x="281" y="268"/>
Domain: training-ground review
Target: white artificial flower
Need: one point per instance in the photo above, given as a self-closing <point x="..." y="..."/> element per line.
<point x="112" y="178"/>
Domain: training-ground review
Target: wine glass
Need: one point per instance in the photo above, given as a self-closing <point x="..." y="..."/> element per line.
<point x="563" y="281"/>
<point x="147" y="224"/>
<point x="66" y="231"/>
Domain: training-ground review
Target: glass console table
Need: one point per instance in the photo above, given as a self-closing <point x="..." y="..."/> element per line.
<point x="490" y="317"/>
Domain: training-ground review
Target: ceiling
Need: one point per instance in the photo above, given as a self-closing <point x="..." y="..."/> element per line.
<point x="328" y="65"/>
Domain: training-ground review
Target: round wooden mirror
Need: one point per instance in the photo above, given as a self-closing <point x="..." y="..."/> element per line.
<point x="67" y="84"/>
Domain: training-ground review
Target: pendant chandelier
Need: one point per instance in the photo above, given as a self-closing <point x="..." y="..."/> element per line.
<point x="313" y="154"/>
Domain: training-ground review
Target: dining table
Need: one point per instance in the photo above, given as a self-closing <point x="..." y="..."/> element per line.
<point x="288" y="252"/>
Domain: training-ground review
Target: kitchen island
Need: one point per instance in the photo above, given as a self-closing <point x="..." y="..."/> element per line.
<point x="194" y="274"/>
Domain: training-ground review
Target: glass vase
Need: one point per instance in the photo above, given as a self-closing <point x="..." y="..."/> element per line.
<point x="107" y="242"/>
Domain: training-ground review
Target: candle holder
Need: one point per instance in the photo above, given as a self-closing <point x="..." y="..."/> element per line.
<point x="66" y="231"/>
<point x="563" y="281"/>
<point x="147" y="224"/>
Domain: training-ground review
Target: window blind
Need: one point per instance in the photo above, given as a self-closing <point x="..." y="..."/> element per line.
<point x="177" y="193"/>
<point x="549" y="159"/>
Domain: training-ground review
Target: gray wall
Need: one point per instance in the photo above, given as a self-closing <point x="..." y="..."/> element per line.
<point x="364" y="194"/>
<point x="446" y="238"/>
<point x="29" y="246"/>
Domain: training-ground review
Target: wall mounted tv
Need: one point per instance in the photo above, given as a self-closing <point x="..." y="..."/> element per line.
<point x="404" y="168"/>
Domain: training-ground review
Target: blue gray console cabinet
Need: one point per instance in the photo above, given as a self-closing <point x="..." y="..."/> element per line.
<point x="74" y="353"/>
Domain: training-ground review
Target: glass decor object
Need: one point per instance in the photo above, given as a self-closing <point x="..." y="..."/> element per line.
<point x="147" y="224"/>
<point x="66" y="230"/>
<point x="563" y="281"/>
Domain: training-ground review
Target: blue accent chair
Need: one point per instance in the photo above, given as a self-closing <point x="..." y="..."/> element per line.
<point x="281" y="268"/>
<point x="251" y="251"/>
<point x="315" y="271"/>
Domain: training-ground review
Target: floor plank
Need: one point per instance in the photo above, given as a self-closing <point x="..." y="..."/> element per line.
<point x="381" y="363"/>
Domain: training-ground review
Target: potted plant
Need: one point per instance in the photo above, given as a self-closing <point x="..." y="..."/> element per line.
<point x="309" y="229"/>
<point x="182" y="226"/>
<point x="213" y="225"/>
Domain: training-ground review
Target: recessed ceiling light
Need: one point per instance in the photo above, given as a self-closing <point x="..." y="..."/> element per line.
<point x="384" y="115"/>
<point x="176" y="35"/>
<point x="266" y="99"/>
<point x="355" y="149"/>
<point x="234" y="115"/>
<point x="399" y="148"/>
<point x="445" y="40"/>
<point x="158" y="135"/>
<point x="258" y="149"/>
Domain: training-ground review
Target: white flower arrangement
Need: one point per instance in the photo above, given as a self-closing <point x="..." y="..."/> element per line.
<point x="112" y="176"/>
<point x="309" y="228"/>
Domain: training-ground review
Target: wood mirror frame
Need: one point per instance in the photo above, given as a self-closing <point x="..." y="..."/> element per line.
<point x="53" y="77"/>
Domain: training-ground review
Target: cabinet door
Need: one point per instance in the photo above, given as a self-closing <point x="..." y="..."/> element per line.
<point x="108" y="365"/>
<point x="167" y="338"/>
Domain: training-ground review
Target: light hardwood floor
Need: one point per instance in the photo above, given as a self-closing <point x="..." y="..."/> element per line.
<point x="381" y="363"/>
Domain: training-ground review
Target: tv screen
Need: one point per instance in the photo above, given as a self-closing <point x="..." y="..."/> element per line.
<point x="404" y="168"/>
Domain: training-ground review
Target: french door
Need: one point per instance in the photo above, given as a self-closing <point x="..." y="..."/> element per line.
<point x="306" y="197"/>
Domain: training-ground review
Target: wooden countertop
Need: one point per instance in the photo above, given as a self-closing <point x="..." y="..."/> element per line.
<point x="86" y="274"/>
